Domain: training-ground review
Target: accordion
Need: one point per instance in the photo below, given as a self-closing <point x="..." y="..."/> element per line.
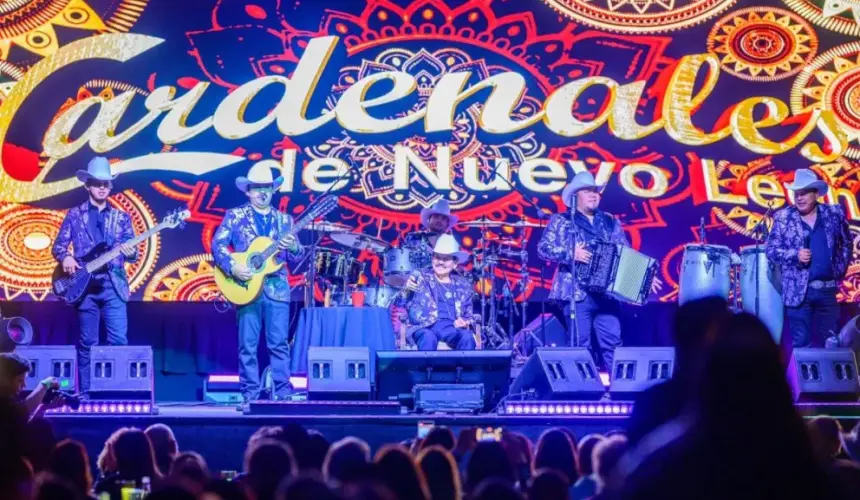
<point x="617" y="271"/>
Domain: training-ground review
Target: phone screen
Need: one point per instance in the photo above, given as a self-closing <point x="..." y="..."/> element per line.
<point x="228" y="474"/>
<point x="424" y="429"/>
<point x="489" y="434"/>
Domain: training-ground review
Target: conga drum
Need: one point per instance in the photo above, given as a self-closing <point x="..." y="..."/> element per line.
<point x="704" y="272"/>
<point x="770" y="308"/>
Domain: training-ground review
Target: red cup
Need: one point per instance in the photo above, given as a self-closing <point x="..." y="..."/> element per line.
<point x="357" y="299"/>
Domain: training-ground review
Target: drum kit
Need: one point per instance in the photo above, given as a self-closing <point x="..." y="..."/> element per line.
<point x="752" y="281"/>
<point x="341" y="274"/>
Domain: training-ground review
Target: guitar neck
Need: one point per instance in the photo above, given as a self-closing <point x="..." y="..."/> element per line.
<point x="112" y="254"/>
<point x="297" y="226"/>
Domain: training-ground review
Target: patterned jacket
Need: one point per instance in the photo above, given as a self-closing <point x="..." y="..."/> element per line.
<point x="422" y="307"/>
<point x="787" y="237"/>
<point x="554" y="246"/>
<point x="75" y="231"/>
<point x="236" y="233"/>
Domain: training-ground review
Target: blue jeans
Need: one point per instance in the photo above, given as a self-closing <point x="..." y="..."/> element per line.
<point x="819" y="312"/>
<point x="601" y="314"/>
<point x="100" y="301"/>
<point x="459" y="339"/>
<point x="276" y="318"/>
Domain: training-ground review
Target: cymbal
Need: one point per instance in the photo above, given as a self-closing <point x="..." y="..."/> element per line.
<point x="328" y="227"/>
<point x="360" y="241"/>
<point x="485" y="222"/>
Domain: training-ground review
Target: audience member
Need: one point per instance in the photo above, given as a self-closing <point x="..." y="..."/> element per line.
<point x="221" y="489"/>
<point x="40" y="443"/>
<point x="306" y="486"/>
<point x="488" y="461"/>
<point x="135" y="461"/>
<point x="267" y="463"/>
<point x="106" y="461"/>
<point x="69" y="461"/>
<point x="163" y="445"/>
<point x="693" y="331"/>
<point x="555" y="451"/>
<point x="367" y="490"/>
<point x="586" y="486"/>
<point x="825" y="433"/>
<point x="317" y="449"/>
<point x="756" y="444"/>
<point x="496" y="489"/>
<point x="439" y="436"/>
<point x="851" y="443"/>
<point x="189" y="471"/>
<point x="440" y="469"/>
<point x="51" y="487"/>
<point x="394" y="467"/>
<point x="549" y="484"/>
<point x="605" y="456"/>
<point x="467" y="440"/>
<point x="347" y="461"/>
<point x="519" y="450"/>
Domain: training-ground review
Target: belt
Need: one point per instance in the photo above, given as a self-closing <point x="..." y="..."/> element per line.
<point x="819" y="284"/>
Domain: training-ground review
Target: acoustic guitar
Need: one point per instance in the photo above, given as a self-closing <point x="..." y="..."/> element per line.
<point x="260" y="258"/>
<point x="71" y="287"/>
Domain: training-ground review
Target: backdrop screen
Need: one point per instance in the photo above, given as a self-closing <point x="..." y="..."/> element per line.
<point x="688" y="111"/>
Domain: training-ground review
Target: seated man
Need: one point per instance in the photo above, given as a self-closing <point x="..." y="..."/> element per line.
<point x="439" y="303"/>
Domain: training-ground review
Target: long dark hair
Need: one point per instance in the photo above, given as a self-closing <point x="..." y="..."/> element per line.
<point x="134" y="456"/>
<point x="69" y="460"/>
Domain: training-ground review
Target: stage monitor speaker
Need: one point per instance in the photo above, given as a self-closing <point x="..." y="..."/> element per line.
<point x="121" y="372"/>
<point x="60" y="361"/>
<point x="553" y="334"/>
<point x="554" y="374"/>
<point x="635" y="369"/>
<point x="397" y="373"/>
<point x="338" y="373"/>
<point x="823" y="375"/>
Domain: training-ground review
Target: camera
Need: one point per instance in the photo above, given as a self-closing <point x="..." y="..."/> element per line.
<point x="73" y="401"/>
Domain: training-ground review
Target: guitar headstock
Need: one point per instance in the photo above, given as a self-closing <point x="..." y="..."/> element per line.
<point x="176" y="218"/>
<point x="323" y="206"/>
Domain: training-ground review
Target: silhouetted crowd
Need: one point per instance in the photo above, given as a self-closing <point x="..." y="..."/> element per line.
<point x="724" y="427"/>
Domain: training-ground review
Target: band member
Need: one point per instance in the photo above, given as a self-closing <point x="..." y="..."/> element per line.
<point x="811" y="244"/>
<point x="593" y="311"/>
<point x="437" y="220"/>
<point x="85" y="227"/>
<point x="238" y="229"/>
<point x="440" y="305"/>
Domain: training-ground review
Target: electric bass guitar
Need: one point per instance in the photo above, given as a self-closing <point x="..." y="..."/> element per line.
<point x="71" y="287"/>
<point x="260" y="258"/>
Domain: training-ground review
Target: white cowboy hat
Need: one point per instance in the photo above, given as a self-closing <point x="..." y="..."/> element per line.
<point x="260" y="174"/>
<point x="806" y="179"/>
<point x="582" y="180"/>
<point x="441" y="207"/>
<point x="447" y="245"/>
<point x="98" y="169"/>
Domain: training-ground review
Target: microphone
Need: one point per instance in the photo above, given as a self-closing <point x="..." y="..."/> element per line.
<point x="702" y="230"/>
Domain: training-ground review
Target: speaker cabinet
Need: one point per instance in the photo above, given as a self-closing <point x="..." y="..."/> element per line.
<point x="635" y="369"/>
<point x="121" y="372"/>
<point x="823" y="375"/>
<point x="554" y="374"/>
<point x="338" y="373"/>
<point x="60" y="361"/>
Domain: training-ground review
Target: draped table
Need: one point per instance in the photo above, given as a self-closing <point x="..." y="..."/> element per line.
<point x="342" y="327"/>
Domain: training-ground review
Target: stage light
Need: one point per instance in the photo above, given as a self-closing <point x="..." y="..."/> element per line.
<point x="112" y="407"/>
<point x="601" y="409"/>
<point x="14" y="332"/>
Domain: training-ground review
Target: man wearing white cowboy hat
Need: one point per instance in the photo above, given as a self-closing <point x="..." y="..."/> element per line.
<point x="89" y="225"/>
<point x="812" y="245"/>
<point x="440" y="304"/>
<point x="437" y="220"/>
<point x="596" y="312"/>
<point x="240" y="227"/>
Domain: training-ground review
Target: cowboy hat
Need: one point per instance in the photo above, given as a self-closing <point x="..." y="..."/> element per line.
<point x="441" y="207"/>
<point x="806" y="179"/>
<point x="447" y="245"/>
<point x="582" y="180"/>
<point x="98" y="168"/>
<point x="260" y="174"/>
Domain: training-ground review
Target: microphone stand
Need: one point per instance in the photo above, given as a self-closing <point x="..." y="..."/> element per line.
<point x="759" y="232"/>
<point x="574" y="328"/>
<point x="541" y="221"/>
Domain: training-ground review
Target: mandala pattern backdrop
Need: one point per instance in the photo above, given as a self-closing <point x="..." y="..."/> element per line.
<point x="803" y="53"/>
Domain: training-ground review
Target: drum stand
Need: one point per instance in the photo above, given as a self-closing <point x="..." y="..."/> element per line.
<point x="490" y="328"/>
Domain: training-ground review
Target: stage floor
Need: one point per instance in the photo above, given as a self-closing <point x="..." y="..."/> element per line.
<point x="220" y="433"/>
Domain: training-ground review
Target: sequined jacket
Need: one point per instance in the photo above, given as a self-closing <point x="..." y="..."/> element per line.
<point x="554" y="246"/>
<point x="75" y="231"/>
<point x="236" y="233"/>
<point x="787" y="237"/>
<point x="421" y="304"/>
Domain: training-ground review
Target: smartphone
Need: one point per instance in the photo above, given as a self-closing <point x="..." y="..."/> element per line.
<point x="489" y="434"/>
<point x="424" y="429"/>
<point x="228" y="474"/>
